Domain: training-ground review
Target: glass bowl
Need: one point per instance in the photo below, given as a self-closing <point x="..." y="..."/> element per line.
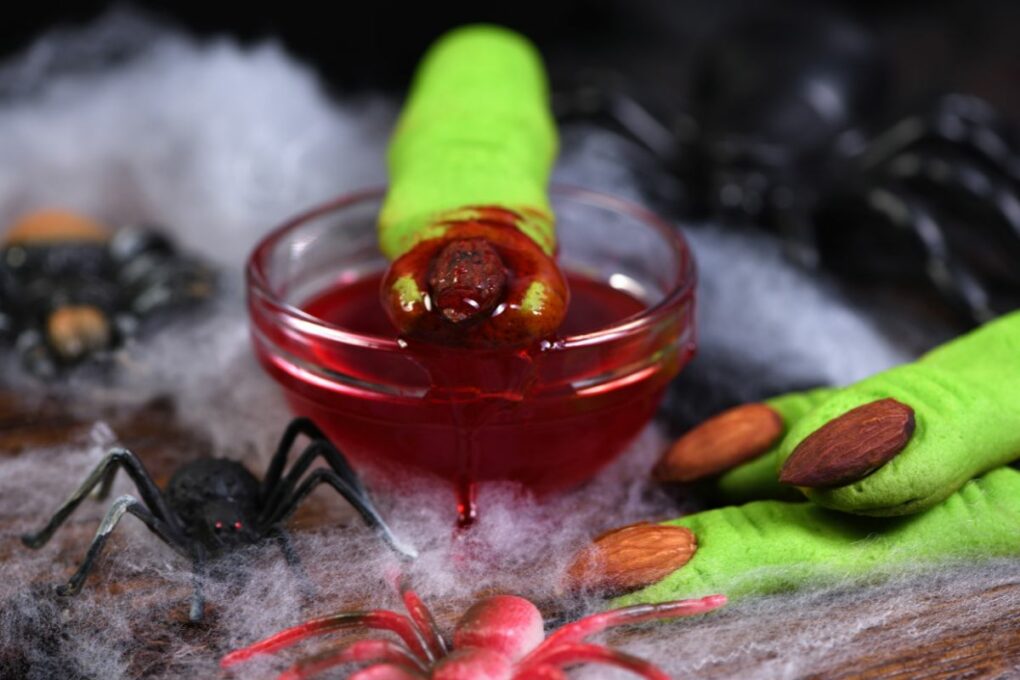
<point x="547" y="416"/>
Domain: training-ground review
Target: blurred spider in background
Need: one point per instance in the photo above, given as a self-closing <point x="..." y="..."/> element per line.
<point x="788" y="126"/>
<point x="71" y="291"/>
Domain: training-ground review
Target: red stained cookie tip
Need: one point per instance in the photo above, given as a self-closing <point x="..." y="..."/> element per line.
<point x="467" y="279"/>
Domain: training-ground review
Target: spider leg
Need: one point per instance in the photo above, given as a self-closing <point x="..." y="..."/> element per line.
<point x="103" y="472"/>
<point x="422" y="619"/>
<point x="36" y="354"/>
<point x="962" y="122"/>
<point x="885" y="207"/>
<point x="124" y="504"/>
<point x="319" y="446"/>
<point x="197" y="610"/>
<point x="277" y="490"/>
<point x="363" y="651"/>
<point x="978" y="210"/>
<point x="357" y="498"/>
<point x="294" y="562"/>
<point x="593" y="102"/>
<point x="274" y="472"/>
<point x="156" y="278"/>
<point x="374" y="620"/>
<point x="988" y="134"/>
<point x="573" y="633"/>
<point x="953" y="176"/>
<point x="568" y="654"/>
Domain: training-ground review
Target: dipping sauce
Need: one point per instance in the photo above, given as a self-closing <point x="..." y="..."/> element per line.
<point x="546" y="416"/>
<point x="476" y="415"/>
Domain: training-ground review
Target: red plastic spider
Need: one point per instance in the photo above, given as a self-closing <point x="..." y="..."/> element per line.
<point x="498" y="638"/>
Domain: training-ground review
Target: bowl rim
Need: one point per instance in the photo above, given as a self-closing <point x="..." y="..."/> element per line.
<point x="257" y="283"/>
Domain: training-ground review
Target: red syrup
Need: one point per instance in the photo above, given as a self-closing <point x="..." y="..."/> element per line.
<point x="548" y="416"/>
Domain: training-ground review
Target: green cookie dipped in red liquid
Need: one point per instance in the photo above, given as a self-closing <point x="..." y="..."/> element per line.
<point x="467" y="223"/>
<point x="494" y="379"/>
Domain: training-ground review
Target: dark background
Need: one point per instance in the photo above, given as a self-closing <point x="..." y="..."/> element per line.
<point x="965" y="45"/>
<point x="646" y="48"/>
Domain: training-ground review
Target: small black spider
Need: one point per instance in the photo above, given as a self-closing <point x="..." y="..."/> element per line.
<point x="72" y="291"/>
<point x="214" y="506"/>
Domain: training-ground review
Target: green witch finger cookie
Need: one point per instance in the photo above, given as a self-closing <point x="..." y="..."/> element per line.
<point x="895" y="443"/>
<point x="467" y="223"/>
<point x="738" y="448"/>
<point x="905" y="439"/>
<point x="770" y="547"/>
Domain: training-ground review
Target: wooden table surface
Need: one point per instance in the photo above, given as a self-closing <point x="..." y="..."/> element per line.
<point x="988" y="649"/>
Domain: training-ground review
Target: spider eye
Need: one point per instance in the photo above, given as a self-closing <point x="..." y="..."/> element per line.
<point x="237" y="526"/>
<point x="218" y="526"/>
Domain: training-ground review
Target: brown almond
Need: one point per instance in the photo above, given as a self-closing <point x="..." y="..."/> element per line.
<point x="720" y="443"/>
<point x="850" y="447"/>
<point x="631" y="557"/>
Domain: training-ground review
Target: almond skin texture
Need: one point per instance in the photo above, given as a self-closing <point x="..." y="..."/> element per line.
<point x="631" y="557"/>
<point x="850" y="447"/>
<point x="720" y="443"/>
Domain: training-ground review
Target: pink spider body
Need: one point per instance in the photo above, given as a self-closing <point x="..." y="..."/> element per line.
<point x="498" y="638"/>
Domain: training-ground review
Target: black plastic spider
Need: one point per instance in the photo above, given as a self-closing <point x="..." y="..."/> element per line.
<point x="71" y="291"/>
<point x="935" y="197"/>
<point x="214" y="506"/>
<point x="787" y="125"/>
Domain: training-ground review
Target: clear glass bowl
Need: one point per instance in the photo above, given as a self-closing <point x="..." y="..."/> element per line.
<point x="548" y="416"/>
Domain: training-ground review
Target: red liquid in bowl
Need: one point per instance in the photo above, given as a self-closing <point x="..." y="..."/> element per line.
<point x="547" y="417"/>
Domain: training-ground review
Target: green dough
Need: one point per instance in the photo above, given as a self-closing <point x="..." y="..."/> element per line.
<point x="757" y="479"/>
<point x="771" y="547"/>
<point x="966" y="400"/>
<point x="477" y="130"/>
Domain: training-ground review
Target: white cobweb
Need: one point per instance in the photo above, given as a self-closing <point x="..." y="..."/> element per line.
<point x="220" y="142"/>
